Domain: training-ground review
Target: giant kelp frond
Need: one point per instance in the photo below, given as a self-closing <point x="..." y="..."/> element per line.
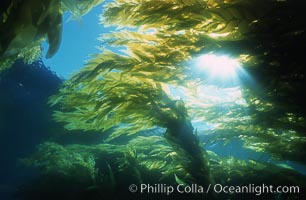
<point x="263" y="125"/>
<point x="148" y="153"/>
<point x="140" y="155"/>
<point x="201" y="16"/>
<point x="78" y="8"/>
<point x="166" y="35"/>
<point x="229" y="170"/>
<point x="100" y="65"/>
<point x="285" y="130"/>
<point x="148" y="55"/>
<point x="54" y="158"/>
<point x="146" y="160"/>
<point x="235" y="27"/>
<point x="127" y="93"/>
<point x="137" y="65"/>
<point x="23" y="26"/>
<point x="126" y="103"/>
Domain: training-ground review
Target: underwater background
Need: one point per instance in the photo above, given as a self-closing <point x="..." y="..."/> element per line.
<point x="149" y="99"/>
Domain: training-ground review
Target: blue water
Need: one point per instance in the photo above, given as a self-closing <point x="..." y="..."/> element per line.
<point x="79" y="42"/>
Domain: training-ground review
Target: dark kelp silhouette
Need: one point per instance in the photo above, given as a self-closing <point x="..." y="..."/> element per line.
<point x="25" y="24"/>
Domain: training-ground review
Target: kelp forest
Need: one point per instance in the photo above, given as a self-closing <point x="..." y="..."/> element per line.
<point x="187" y="99"/>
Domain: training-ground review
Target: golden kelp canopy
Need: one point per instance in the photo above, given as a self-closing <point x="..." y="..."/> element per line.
<point x="125" y="94"/>
<point x="121" y="90"/>
<point x="116" y="103"/>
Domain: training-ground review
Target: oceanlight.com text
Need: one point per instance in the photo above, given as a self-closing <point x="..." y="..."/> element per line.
<point x="255" y="189"/>
<point x="215" y="188"/>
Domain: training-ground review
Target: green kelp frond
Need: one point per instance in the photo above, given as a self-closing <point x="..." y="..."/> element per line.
<point x="230" y="171"/>
<point x="128" y="92"/>
<point x="235" y="27"/>
<point x="25" y="24"/>
<point x="281" y="144"/>
<point x="274" y="127"/>
<point x="190" y="26"/>
<point x="5" y="63"/>
<point x="263" y="122"/>
<point x="29" y="54"/>
<point x="52" y="158"/>
<point x="223" y="17"/>
<point x="141" y="157"/>
<point x="78" y="8"/>
<point x="156" y="55"/>
<point x="82" y="162"/>
<point x="123" y="102"/>
<point x="147" y="160"/>
<point x="155" y="154"/>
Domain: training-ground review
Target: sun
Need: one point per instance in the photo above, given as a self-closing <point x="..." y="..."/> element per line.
<point x="217" y="68"/>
